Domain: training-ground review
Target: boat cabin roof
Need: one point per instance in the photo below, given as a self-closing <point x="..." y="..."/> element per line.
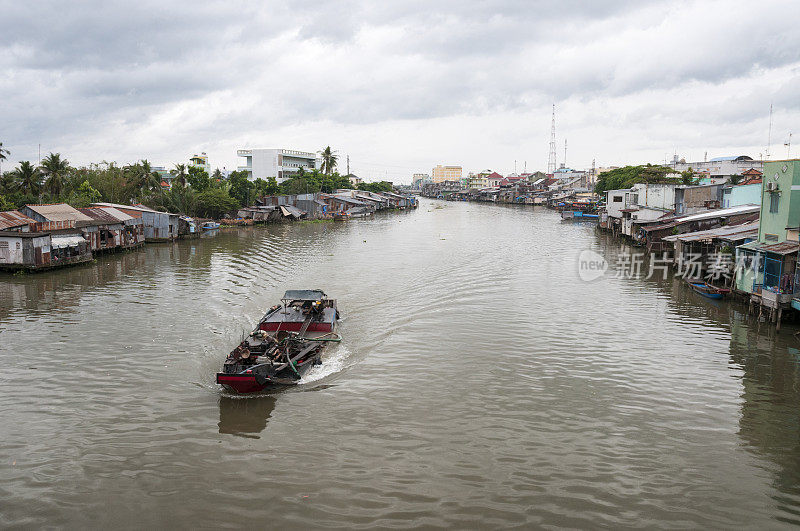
<point x="303" y="295"/>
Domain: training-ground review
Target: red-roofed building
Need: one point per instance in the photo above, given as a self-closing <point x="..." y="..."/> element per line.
<point x="494" y="179"/>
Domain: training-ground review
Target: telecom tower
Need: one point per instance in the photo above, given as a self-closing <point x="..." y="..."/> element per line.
<point x="551" y="159"/>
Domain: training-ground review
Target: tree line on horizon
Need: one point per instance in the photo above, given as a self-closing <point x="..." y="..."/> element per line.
<point x="193" y="192"/>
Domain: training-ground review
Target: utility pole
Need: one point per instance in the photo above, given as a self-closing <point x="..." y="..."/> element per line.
<point x="551" y="158"/>
<point x="789" y="145"/>
<point x="40" y="154"/>
<point x="348" y="164"/>
<point x="565" y="153"/>
<point x="515" y="166"/>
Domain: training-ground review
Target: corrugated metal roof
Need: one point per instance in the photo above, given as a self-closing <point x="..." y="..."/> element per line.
<point x="59" y="212"/>
<point x="732" y="233"/>
<point x="710" y="214"/>
<point x="97" y="213"/>
<point x="119" y="214"/>
<point x="783" y="248"/>
<point x="14" y="218"/>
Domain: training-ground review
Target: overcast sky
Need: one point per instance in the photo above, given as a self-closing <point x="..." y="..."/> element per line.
<point x="399" y="86"/>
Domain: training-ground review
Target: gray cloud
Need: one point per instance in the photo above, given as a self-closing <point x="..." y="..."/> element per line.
<point x="166" y="77"/>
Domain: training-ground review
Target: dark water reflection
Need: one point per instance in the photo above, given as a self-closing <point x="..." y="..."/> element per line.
<point x="245" y="416"/>
<point x="480" y="384"/>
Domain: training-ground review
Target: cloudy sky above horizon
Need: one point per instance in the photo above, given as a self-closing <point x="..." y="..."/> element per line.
<point x="399" y="86"/>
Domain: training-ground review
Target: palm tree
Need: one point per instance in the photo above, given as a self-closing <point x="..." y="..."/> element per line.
<point x="28" y="177"/>
<point x="150" y="180"/>
<point x="180" y="173"/>
<point x="329" y="159"/>
<point x="3" y="153"/>
<point x="55" y="169"/>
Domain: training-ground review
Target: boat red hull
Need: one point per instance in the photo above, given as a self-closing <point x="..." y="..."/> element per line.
<point x="295" y="327"/>
<point x="241" y="383"/>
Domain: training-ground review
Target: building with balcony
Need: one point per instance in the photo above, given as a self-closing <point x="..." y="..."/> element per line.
<point x="278" y="163"/>
<point x="767" y="267"/>
<point x="200" y="161"/>
<point x="440" y="173"/>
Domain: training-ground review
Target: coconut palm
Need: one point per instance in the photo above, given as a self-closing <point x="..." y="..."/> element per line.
<point x="150" y="179"/>
<point x="329" y="159"/>
<point x="55" y="169"/>
<point x="27" y="177"/>
<point x="180" y="173"/>
<point x="3" y="153"/>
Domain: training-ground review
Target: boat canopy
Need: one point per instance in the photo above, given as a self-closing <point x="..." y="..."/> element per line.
<point x="303" y="295"/>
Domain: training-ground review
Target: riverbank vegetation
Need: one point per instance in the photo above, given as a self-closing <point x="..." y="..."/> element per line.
<point x="192" y="191"/>
<point x="627" y="176"/>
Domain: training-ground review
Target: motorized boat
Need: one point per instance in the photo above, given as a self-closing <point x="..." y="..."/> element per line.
<point x="287" y="342"/>
<point x="707" y="290"/>
<point x="210" y="225"/>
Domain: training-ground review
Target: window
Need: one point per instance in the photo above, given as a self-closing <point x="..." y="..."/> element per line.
<point x="4" y="251"/>
<point x="618" y="199"/>
<point x="771" y="237"/>
<point x="773" y="203"/>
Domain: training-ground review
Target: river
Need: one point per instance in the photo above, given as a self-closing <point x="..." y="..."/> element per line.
<point x="480" y="384"/>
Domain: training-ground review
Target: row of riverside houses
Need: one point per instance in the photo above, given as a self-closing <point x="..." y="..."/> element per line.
<point x="340" y="204"/>
<point x="46" y="236"/>
<point x="527" y="188"/>
<point x="754" y="225"/>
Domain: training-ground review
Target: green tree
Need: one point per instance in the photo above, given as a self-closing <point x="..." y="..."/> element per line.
<point x="27" y="177"/>
<point x="198" y="179"/>
<point x="735" y="179"/>
<point x="687" y="177"/>
<point x="84" y="196"/>
<point x="266" y="187"/>
<point x="329" y="160"/>
<point x="241" y="188"/>
<point x="215" y="203"/>
<point x="6" y="204"/>
<point x="383" y="186"/>
<point x="621" y="178"/>
<point x="56" y="171"/>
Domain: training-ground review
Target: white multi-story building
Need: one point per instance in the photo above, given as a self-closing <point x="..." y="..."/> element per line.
<point x="278" y="163"/>
<point x="719" y="169"/>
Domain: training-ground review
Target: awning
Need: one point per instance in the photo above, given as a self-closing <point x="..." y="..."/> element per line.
<point x="290" y="211"/>
<point x="61" y="242"/>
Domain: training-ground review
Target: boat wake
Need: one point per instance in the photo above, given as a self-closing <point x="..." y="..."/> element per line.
<point x="334" y="362"/>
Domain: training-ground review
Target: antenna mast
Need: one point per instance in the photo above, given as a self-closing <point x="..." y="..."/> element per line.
<point x="769" y="135"/>
<point x="551" y="159"/>
<point x="565" y="153"/>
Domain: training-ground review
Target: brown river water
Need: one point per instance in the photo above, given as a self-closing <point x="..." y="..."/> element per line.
<point x="480" y="384"/>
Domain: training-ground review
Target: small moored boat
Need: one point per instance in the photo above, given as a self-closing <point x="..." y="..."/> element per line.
<point x="707" y="290"/>
<point x="210" y="225"/>
<point x="287" y="342"/>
